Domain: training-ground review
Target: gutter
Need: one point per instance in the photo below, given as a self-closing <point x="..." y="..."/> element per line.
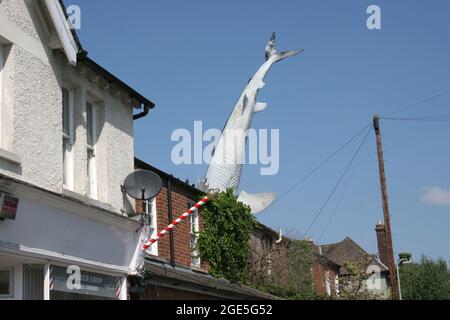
<point x="112" y="79"/>
<point x="142" y="114"/>
<point x="138" y="163"/>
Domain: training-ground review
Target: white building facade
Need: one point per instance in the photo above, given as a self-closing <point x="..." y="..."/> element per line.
<point x="66" y="146"/>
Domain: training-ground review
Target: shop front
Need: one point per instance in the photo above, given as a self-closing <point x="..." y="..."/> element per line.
<point x="72" y="283"/>
<point x="59" y="248"/>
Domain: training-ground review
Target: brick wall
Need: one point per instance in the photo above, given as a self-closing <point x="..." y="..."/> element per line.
<point x="320" y="270"/>
<point x="182" y="199"/>
<point x="382" y="243"/>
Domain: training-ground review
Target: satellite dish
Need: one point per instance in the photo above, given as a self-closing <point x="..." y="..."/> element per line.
<point x="142" y="184"/>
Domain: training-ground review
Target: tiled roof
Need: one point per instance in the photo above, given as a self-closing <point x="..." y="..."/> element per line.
<point x="347" y="251"/>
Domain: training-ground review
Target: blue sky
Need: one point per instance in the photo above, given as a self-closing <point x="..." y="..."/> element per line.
<point x="193" y="59"/>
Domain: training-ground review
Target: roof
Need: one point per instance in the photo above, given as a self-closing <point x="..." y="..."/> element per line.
<point x="113" y="80"/>
<point x="72" y="47"/>
<point x="70" y="43"/>
<point x="163" y="274"/>
<point x="165" y="176"/>
<point x="346" y="251"/>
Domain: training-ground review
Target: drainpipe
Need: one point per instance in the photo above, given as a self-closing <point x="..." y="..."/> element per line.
<point x="143" y="113"/>
<point x="170" y="216"/>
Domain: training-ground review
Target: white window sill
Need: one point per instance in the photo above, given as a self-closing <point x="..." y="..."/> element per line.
<point x="9" y="156"/>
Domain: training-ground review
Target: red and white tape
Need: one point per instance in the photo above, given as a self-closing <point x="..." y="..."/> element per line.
<point x="171" y="226"/>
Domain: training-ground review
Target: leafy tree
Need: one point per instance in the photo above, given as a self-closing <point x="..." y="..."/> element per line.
<point x="352" y="286"/>
<point x="224" y="242"/>
<point x="425" y="280"/>
<point x="292" y="270"/>
<point x="284" y="269"/>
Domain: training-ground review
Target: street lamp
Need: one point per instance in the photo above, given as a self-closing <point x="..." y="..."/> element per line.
<point x="399" y="263"/>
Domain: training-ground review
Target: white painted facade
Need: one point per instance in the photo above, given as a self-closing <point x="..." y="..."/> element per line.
<point x="60" y="224"/>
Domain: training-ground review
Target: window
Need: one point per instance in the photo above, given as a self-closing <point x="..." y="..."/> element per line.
<point x="6" y="283"/>
<point x="336" y="284"/>
<point x="149" y="208"/>
<point x="91" y="130"/>
<point x="268" y="249"/>
<point x="327" y="283"/>
<point x="68" y="101"/>
<point x="195" y="229"/>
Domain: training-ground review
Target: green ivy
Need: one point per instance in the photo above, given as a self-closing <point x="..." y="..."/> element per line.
<point x="223" y="243"/>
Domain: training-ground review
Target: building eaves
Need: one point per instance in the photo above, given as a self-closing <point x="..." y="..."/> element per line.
<point x="82" y="57"/>
<point x="163" y="274"/>
<point x="140" y="164"/>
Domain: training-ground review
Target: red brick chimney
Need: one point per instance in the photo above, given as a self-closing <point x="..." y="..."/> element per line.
<point x="382" y="243"/>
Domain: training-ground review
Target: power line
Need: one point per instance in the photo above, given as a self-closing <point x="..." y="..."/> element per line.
<point x="386" y="117"/>
<point x="424" y="119"/>
<point x="418" y="103"/>
<point x="338" y="183"/>
<point x="315" y="169"/>
<point x="342" y="197"/>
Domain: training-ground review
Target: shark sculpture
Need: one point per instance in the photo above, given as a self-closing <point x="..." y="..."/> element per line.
<point x="226" y="165"/>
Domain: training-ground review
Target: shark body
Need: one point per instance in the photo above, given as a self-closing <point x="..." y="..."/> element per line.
<point x="226" y="165"/>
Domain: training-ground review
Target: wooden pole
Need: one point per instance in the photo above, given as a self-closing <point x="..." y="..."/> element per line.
<point x="387" y="218"/>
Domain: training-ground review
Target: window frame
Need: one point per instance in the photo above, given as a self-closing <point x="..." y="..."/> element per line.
<point x="328" y="282"/>
<point x="11" y="282"/>
<point x="68" y="152"/>
<point x="194" y="229"/>
<point x="151" y="219"/>
<point x="92" y="172"/>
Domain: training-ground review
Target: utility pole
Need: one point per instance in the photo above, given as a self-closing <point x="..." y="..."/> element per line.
<point x="387" y="218"/>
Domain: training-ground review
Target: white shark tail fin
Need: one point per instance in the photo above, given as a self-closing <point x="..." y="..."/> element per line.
<point x="271" y="49"/>
<point x="257" y="202"/>
<point x="287" y="54"/>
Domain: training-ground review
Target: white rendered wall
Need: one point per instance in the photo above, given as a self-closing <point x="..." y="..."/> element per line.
<point x="32" y="113"/>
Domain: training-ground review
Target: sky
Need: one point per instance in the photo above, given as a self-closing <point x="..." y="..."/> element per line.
<point x="194" y="58"/>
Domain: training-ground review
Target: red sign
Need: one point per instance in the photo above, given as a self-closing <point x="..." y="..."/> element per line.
<point x="9" y="206"/>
